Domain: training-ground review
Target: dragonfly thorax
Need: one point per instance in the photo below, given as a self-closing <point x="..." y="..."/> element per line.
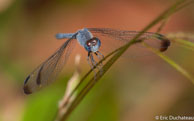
<point x="86" y="39"/>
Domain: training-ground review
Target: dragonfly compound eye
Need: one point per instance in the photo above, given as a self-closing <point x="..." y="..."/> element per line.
<point x="91" y="42"/>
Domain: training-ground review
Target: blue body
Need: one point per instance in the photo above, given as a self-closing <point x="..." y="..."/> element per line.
<point x="82" y="37"/>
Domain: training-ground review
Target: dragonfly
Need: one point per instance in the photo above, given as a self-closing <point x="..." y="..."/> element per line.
<point x="48" y="71"/>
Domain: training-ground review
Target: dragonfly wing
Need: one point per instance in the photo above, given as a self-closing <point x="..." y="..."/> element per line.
<point x="47" y="72"/>
<point x="155" y="40"/>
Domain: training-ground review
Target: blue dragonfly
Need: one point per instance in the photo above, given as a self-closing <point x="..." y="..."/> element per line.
<point x="47" y="72"/>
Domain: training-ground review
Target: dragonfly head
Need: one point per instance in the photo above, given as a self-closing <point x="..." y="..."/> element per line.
<point x="93" y="44"/>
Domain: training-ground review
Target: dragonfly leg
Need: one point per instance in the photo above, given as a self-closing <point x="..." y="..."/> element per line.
<point x="95" y="64"/>
<point x="101" y="64"/>
<point x="101" y="54"/>
<point x="90" y="62"/>
<point x="93" y="61"/>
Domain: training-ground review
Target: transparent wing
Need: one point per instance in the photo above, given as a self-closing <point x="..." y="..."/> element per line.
<point x="121" y="37"/>
<point x="47" y="72"/>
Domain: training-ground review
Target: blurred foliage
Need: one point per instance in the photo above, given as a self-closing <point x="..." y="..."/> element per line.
<point x="42" y="106"/>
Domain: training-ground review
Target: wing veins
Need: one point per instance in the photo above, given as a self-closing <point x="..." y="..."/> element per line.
<point x="48" y="69"/>
<point x="128" y="35"/>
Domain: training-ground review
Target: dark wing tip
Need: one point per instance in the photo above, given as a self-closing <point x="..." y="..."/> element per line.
<point x="165" y="42"/>
<point x="164" y="45"/>
<point x="27" y="90"/>
<point x="25" y="82"/>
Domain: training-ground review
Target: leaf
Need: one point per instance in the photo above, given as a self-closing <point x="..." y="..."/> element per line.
<point x="172" y="63"/>
<point x="184" y="43"/>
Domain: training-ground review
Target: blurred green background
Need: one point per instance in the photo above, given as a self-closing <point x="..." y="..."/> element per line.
<point x="134" y="89"/>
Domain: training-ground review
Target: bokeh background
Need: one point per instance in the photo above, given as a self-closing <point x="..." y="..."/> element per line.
<point x="133" y="89"/>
